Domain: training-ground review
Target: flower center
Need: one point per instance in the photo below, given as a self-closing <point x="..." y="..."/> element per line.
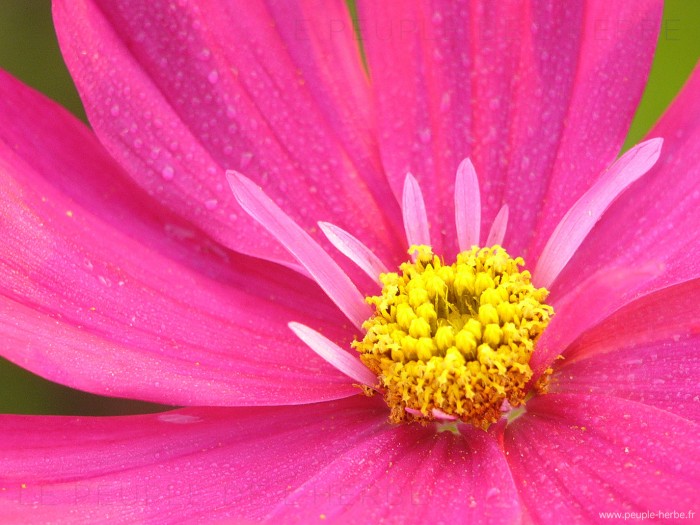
<point x="454" y="342"/>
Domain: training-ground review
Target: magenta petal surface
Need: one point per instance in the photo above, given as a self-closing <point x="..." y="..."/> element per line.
<point x="583" y="307"/>
<point x="102" y="292"/>
<point x="646" y="352"/>
<point x="338" y="460"/>
<point x="415" y="218"/>
<point x="179" y="97"/>
<point x="443" y="74"/>
<point x="574" y="456"/>
<point x="657" y="221"/>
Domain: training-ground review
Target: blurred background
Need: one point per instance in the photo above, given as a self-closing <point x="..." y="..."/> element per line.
<point x="29" y="51"/>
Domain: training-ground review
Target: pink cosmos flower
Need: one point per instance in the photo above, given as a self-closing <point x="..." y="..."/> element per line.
<point x="129" y="268"/>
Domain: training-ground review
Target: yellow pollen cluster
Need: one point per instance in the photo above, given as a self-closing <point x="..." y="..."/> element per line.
<point x="457" y="338"/>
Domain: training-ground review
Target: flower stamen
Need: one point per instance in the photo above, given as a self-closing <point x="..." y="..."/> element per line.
<point x="454" y="340"/>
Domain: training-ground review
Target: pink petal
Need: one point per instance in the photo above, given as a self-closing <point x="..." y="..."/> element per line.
<point x="341" y="359"/>
<point x="322" y="268"/>
<point x="179" y="93"/>
<point x="592" y="301"/>
<point x="575" y="456"/>
<point x="404" y="474"/>
<point x="587" y="211"/>
<point x="498" y="229"/>
<point x="354" y="250"/>
<point x="657" y="221"/>
<point x="467" y="206"/>
<point x="203" y="464"/>
<point x="341" y="461"/>
<point x="619" y="39"/>
<point x="415" y="220"/>
<point x="102" y="290"/>
<point x="646" y="352"/>
<point x="443" y="77"/>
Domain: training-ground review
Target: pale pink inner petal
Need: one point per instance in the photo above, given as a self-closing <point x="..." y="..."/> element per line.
<point x="354" y="250"/>
<point x="336" y="356"/>
<point x="324" y="270"/>
<point x="657" y="219"/>
<point x="415" y="218"/>
<point x="498" y="228"/>
<point x="467" y="206"/>
<point x="439" y="414"/>
<point x="583" y="215"/>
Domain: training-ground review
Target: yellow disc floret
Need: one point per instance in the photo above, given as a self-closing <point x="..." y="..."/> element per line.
<point x="454" y="339"/>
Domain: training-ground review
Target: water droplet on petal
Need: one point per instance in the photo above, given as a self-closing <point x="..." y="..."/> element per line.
<point x="168" y="173"/>
<point x="425" y="135"/>
<point x="445" y="101"/>
<point x="245" y="159"/>
<point x="211" y="204"/>
<point x="114" y="110"/>
<point x="178" y="418"/>
<point x="493" y="492"/>
<point x="213" y="77"/>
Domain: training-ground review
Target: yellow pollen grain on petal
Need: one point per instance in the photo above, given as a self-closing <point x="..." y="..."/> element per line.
<point x="456" y="339"/>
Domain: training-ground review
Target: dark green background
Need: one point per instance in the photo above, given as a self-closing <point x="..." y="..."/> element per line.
<point x="29" y="51"/>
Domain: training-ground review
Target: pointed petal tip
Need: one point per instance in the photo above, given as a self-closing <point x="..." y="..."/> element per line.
<point x="657" y="142"/>
<point x="499" y="227"/>
<point x="236" y="182"/>
<point x="654" y="146"/>
<point x="415" y="216"/>
<point x="354" y="249"/>
<point x="467" y="206"/>
<point x="233" y="176"/>
<point x="466" y="166"/>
